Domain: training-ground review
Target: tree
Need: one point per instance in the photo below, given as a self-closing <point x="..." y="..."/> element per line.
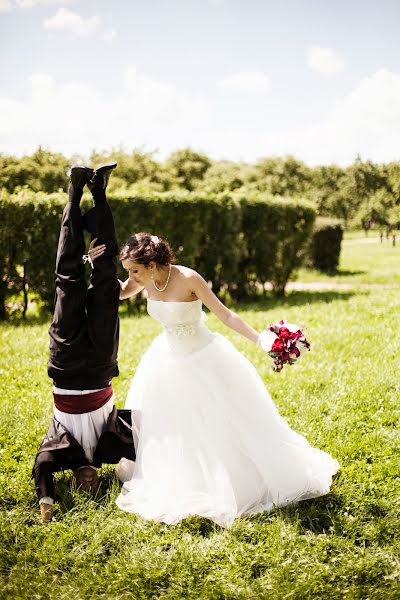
<point x="380" y="209"/>
<point x="326" y="182"/>
<point x="351" y="198"/>
<point x="393" y="175"/>
<point x="187" y="167"/>
<point x="132" y="167"/>
<point x="43" y="171"/>
<point x="285" y="176"/>
<point x="225" y="175"/>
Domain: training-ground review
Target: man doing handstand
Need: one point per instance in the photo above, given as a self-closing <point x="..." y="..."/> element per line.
<point x="86" y="429"/>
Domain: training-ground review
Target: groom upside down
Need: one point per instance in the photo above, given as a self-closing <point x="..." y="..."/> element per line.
<point x="86" y="429"/>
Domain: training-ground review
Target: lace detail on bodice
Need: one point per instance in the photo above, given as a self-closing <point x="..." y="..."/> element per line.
<point x="181" y="331"/>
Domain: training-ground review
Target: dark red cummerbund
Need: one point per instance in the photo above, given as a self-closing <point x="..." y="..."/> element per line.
<point x="75" y="404"/>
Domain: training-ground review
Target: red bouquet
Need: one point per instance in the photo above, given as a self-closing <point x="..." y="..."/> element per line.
<point x="284" y="342"/>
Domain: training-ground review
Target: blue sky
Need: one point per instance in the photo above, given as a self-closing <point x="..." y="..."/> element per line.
<point x="233" y="78"/>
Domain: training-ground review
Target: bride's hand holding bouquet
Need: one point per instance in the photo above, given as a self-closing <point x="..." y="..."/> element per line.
<point x="284" y="342"/>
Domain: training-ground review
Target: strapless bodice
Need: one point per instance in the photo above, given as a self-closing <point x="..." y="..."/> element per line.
<point x="183" y="322"/>
<point x="179" y="318"/>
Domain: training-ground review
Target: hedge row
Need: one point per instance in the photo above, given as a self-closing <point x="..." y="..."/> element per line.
<point x="235" y="242"/>
<point x="325" y="245"/>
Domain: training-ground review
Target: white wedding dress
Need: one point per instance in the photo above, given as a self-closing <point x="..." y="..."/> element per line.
<point x="209" y="439"/>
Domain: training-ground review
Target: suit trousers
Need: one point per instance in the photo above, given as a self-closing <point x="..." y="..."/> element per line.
<point x="84" y="332"/>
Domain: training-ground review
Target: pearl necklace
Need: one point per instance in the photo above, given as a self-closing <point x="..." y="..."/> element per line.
<point x="165" y="286"/>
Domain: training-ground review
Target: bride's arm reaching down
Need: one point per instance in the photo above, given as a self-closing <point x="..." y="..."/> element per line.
<point x="129" y="288"/>
<point x="230" y="319"/>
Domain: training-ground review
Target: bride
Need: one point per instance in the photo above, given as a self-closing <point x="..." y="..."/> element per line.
<point x="209" y="439"/>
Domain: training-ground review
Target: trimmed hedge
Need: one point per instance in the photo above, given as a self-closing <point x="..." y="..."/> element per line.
<point x="325" y="245"/>
<point x="235" y="242"/>
<point x="29" y="228"/>
<point x="276" y="231"/>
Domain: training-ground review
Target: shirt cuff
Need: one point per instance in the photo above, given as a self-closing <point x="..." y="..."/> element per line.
<point x="46" y="500"/>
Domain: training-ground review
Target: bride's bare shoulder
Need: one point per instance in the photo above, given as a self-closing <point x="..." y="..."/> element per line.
<point x="186" y="272"/>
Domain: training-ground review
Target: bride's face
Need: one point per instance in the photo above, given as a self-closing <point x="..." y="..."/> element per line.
<point x="139" y="273"/>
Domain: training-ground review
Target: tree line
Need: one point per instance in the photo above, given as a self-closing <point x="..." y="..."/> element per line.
<point x="364" y="194"/>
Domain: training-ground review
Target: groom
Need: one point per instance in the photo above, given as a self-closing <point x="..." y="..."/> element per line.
<point x="86" y="430"/>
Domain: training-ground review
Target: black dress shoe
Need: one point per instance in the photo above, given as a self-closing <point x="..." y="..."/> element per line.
<point x="101" y="176"/>
<point x="80" y="176"/>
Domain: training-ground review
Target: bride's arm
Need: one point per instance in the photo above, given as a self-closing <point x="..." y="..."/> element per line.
<point x="129" y="288"/>
<point x="229" y="318"/>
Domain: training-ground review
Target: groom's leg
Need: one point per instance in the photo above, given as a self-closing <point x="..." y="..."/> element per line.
<point x="69" y="340"/>
<point x="45" y="466"/>
<point x="103" y="293"/>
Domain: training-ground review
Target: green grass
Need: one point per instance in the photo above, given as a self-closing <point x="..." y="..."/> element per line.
<point x="362" y="261"/>
<point x="343" y="397"/>
<point x="355" y="234"/>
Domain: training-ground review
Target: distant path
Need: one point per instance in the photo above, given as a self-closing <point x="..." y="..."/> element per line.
<point x="327" y="285"/>
<point x="369" y="240"/>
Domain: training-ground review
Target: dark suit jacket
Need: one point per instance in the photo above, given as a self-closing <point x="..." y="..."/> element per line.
<point x="60" y="450"/>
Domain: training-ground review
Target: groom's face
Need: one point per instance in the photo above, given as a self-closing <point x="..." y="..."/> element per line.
<point x="86" y="479"/>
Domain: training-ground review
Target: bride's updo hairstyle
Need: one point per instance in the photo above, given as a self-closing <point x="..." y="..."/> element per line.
<point x="144" y="248"/>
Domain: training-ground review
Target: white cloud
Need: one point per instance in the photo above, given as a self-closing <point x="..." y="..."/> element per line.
<point x="74" y="118"/>
<point x="255" y="81"/>
<point x="5" y="5"/>
<point x="366" y="121"/>
<point x="33" y="3"/>
<point x="324" y="60"/>
<point x="66" y="20"/>
<point x="109" y="35"/>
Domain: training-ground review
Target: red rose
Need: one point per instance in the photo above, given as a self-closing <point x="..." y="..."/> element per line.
<point x="278" y="346"/>
<point x="284" y="333"/>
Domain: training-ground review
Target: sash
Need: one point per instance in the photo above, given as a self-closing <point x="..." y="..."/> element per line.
<point x="78" y="404"/>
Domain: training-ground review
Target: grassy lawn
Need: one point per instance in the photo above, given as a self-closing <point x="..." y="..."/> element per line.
<point x="358" y="234"/>
<point x="343" y="397"/>
<point x="362" y="261"/>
